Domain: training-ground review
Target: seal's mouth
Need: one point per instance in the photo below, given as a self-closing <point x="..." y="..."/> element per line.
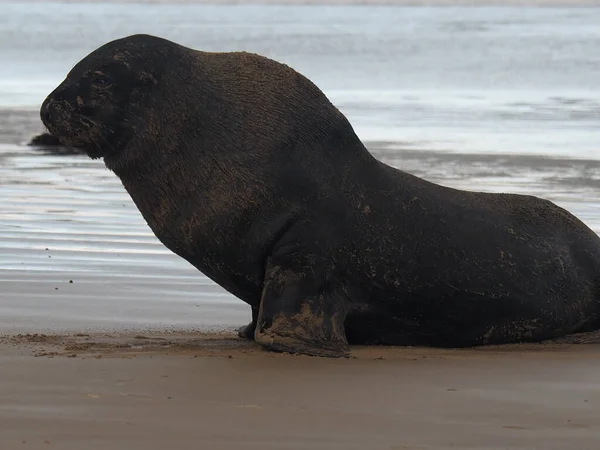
<point x="64" y="122"/>
<point x="57" y="117"/>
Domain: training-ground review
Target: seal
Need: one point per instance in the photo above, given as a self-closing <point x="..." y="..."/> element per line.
<point x="243" y="167"/>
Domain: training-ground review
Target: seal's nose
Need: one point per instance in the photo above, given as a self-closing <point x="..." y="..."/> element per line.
<point x="45" y="112"/>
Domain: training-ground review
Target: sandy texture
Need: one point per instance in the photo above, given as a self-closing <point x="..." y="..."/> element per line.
<point x="217" y="392"/>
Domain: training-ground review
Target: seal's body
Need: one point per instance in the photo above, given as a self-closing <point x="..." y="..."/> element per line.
<point x="243" y="167"/>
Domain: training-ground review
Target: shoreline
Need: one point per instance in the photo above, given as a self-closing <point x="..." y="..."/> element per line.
<point x="224" y="342"/>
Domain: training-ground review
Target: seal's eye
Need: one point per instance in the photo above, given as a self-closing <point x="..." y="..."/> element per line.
<point x="100" y="80"/>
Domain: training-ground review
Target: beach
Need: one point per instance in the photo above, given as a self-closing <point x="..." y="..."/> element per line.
<point x="110" y="341"/>
<point x="212" y="391"/>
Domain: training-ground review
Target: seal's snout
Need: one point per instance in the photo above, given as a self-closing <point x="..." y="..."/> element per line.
<point x="54" y="113"/>
<point x="46" y="112"/>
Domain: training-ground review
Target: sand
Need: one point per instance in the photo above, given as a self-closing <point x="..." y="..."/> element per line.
<point x="199" y="391"/>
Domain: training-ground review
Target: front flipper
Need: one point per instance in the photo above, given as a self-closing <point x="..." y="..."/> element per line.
<point x="300" y="312"/>
<point x="247" y="332"/>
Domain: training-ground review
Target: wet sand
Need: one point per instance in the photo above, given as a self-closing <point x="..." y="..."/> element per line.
<point x="214" y="391"/>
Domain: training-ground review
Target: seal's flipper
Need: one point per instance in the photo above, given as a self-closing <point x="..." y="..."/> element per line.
<point x="247" y="332"/>
<point x="298" y="314"/>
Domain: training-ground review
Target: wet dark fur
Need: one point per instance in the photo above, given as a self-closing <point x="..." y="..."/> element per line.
<point x="243" y="167"/>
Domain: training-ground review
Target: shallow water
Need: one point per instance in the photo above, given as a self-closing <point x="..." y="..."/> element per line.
<point x="509" y="79"/>
<point x="491" y="99"/>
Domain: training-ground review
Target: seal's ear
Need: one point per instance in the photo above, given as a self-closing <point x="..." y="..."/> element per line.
<point x="146" y="78"/>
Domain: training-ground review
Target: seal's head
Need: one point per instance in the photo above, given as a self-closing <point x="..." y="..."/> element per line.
<point x="142" y="100"/>
<point x="97" y="107"/>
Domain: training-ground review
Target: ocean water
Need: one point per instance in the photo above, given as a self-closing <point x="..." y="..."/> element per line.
<point x="498" y="99"/>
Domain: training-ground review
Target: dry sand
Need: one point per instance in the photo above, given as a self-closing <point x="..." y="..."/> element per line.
<point x="86" y="392"/>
